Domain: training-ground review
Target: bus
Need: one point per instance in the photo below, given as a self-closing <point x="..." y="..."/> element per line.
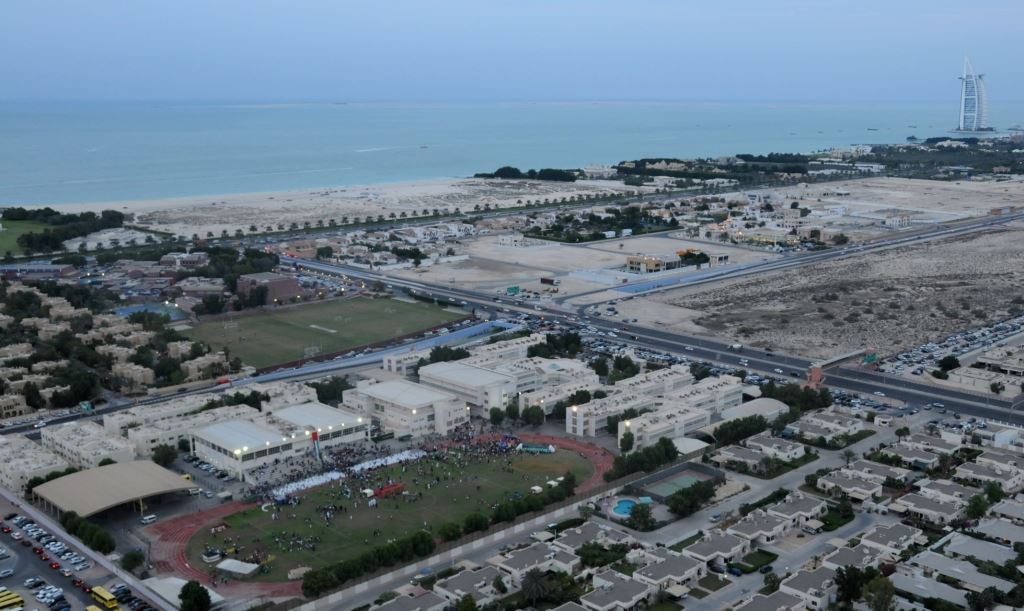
<point x="103" y="597"/>
<point x="10" y="600"/>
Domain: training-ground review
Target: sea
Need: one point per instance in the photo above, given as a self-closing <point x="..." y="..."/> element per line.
<point x="67" y="152"/>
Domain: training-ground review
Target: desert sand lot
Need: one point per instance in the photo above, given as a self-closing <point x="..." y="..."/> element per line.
<point x="882" y="301"/>
<point x="492" y="265"/>
<point x="670" y="243"/>
<point x="922" y="200"/>
<point x="183" y="216"/>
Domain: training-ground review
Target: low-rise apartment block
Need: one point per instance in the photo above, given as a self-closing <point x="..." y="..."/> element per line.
<point x="22" y="459"/>
<point x="817" y="588"/>
<point x="538" y="556"/>
<point x="84" y="444"/>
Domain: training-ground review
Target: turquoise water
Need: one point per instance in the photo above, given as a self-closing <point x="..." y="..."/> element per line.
<point x="624" y="507"/>
<point x="52" y="153"/>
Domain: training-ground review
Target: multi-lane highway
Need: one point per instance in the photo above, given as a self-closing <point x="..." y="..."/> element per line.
<point x="700" y="348"/>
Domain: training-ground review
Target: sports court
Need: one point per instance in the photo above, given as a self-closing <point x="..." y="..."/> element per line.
<point x="664" y="488"/>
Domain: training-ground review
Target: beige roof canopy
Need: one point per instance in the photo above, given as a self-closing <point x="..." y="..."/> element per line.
<point x="94" y="490"/>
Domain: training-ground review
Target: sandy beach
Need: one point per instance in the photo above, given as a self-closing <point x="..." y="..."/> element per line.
<point x="201" y="214"/>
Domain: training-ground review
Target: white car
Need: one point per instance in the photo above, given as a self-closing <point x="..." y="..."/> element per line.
<point x="6" y="573"/>
<point x="879" y="393"/>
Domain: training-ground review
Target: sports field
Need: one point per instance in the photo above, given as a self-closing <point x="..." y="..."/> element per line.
<point x="287" y="333"/>
<point x="462" y="490"/>
<point x="11" y="231"/>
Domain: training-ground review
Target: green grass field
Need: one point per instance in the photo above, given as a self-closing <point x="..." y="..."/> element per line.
<point x="474" y="487"/>
<point x="11" y="231"/>
<point x="283" y="335"/>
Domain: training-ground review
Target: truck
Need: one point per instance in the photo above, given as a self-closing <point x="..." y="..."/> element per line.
<point x="551" y="281"/>
<point x="736" y="347"/>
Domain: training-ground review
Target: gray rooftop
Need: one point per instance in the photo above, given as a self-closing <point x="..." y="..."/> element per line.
<point x="470" y="582"/>
<point x="756" y="523"/>
<point x="764" y="439"/>
<point x="877" y="468"/>
<point x="570" y="606"/>
<point x="971" y="470"/>
<point x="911" y="454"/>
<point x="797" y="505"/>
<point x="924" y="503"/>
<point x="1002" y="458"/>
<point x="960" y="570"/>
<point x="936" y="443"/>
<point x="740" y="453"/>
<point x="625" y="590"/>
<point x="1009" y="507"/>
<point x="860" y="556"/>
<point x="410" y="603"/>
<point x="928" y="588"/>
<point x="965" y="546"/>
<point x="715" y="542"/>
<point x="1004" y="530"/>
<point x="895" y="535"/>
<point x="805" y="581"/>
<point x="949" y="488"/>
<point x="533" y="555"/>
<point x="674" y="566"/>
<point x="778" y="600"/>
<point x="589" y="531"/>
<point x="846" y="482"/>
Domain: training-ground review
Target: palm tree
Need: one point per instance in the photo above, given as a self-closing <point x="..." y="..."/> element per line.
<point x="534" y="585"/>
<point x="848" y="456"/>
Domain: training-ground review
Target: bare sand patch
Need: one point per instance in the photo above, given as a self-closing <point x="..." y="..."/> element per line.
<point x="884" y="301"/>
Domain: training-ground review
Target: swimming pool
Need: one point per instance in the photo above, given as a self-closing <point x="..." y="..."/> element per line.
<point x="624" y="507"/>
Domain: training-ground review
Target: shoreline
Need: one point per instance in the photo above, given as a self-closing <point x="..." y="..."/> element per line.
<point x="214" y="214"/>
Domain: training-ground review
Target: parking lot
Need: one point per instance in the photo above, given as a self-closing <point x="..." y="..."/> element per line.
<point x="48" y="571"/>
<point x="926" y="357"/>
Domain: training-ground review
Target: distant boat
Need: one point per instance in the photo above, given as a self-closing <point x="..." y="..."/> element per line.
<point x="872" y="129"/>
<point x="912" y="126"/>
<point x="911" y="138"/>
<point x="423" y="146"/>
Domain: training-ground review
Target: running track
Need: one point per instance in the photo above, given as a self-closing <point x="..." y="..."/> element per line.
<point x="170" y="537"/>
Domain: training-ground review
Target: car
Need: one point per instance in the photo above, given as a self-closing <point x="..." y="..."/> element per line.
<point x="6" y="529"/>
<point x="6" y="573"/>
<point x="879" y="393"/>
<point x="716" y="568"/>
<point x="26" y="543"/>
<point x="77" y="582"/>
<point x="735" y="571"/>
<point x="67" y="573"/>
<point x="10" y="516"/>
<point x="956" y="415"/>
<point x="767" y="569"/>
<point x="83" y="566"/>
<point x="17" y="536"/>
<point x="44" y="557"/>
<point x="55" y="566"/>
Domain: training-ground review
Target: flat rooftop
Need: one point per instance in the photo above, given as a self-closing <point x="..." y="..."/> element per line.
<point x="316" y="415"/>
<point x="239" y="435"/>
<point x="406" y="394"/>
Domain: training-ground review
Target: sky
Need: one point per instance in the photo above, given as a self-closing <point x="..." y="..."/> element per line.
<point x="417" y="50"/>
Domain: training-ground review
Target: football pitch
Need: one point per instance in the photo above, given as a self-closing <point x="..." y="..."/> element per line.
<point x="294" y="332"/>
<point x="13" y="229"/>
<point x="460" y="491"/>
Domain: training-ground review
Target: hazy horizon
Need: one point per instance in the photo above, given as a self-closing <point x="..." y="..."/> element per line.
<point x="318" y="51"/>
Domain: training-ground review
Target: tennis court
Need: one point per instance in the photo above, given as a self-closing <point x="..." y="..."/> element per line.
<point x="673" y="483"/>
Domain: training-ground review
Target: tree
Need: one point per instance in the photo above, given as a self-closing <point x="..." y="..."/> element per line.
<point x="33" y="398"/>
<point x="499" y="584"/>
<point x="878" y="594"/>
<point x="194" y="597"/>
<point x="497" y="416"/>
<point x="771" y="582"/>
<point x="512" y="411"/>
<point x="164" y="455"/>
<point x="626" y="442"/>
<point x="980" y="601"/>
<point x="534" y="586"/>
<point x="845" y="508"/>
<point x="132" y="560"/>
<point x="977" y="507"/>
<point x="994" y="492"/>
<point x="641" y="518"/>
<point x="449" y="531"/>
<point x="902" y="432"/>
<point x="106" y="461"/>
<point x="474" y="522"/>
<point x="948" y="362"/>
<point x="466" y="603"/>
<point x="533" y="415"/>
<point x="848" y="580"/>
<point x="848" y="456"/>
